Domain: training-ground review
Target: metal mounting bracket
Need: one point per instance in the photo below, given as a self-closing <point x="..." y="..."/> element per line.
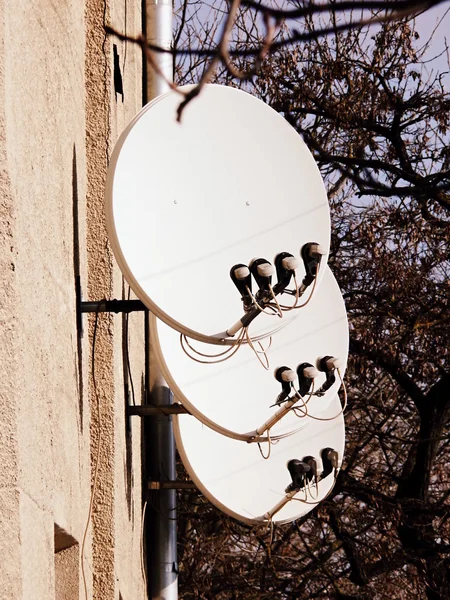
<point x="150" y="410"/>
<point x="171" y="485"/>
<point x="101" y="306"/>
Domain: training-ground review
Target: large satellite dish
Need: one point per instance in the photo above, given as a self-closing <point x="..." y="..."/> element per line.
<point x="185" y="202"/>
<point x="237" y="396"/>
<point x="236" y="478"/>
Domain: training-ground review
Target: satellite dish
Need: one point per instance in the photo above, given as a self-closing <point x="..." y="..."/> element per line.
<point x="186" y="202"/>
<point x="236" y="397"/>
<point x="236" y="478"/>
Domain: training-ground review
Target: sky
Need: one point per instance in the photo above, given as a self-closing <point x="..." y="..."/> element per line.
<point x="427" y="22"/>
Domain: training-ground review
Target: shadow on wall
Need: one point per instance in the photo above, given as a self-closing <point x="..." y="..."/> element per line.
<point x="78" y="359"/>
<point x="129" y="395"/>
<point x="67" y="565"/>
<point x="76" y="272"/>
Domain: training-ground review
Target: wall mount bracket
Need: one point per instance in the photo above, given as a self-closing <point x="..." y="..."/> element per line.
<point x="101" y="306"/>
<point x="171" y="485"/>
<point x="151" y="410"/>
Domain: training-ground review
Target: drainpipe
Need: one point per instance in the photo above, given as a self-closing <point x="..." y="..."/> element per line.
<point x="158" y="31"/>
<point x="160" y="446"/>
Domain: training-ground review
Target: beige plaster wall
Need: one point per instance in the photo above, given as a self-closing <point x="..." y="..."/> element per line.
<point x="126" y="17"/>
<point x="10" y="585"/>
<point x="59" y="120"/>
<point x="67" y="584"/>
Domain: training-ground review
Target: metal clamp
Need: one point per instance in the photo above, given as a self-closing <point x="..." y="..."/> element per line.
<point x="171" y="485"/>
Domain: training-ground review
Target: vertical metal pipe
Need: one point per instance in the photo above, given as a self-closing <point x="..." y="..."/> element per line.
<point x="163" y="566"/>
<point x="162" y="524"/>
<point x="159" y="31"/>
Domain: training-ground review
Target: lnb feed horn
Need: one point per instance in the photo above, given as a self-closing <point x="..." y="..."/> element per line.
<point x="313" y="473"/>
<point x="311" y="254"/>
<point x="286" y="377"/>
<point x="306" y="374"/>
<point x="328" y="364"/>
<point x="285" y="265"/>
<point x="298" y="471"/>
<point x="330" y="461"/>
<point x="242" y="279"/>
<point x="262" y="270"/>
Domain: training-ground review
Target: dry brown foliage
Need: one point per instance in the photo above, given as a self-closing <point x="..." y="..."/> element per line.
<point x="376" y="117"/>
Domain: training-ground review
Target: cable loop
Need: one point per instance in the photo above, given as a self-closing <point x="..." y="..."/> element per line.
<point x="344" y="389"/>
<point x="228" y="353"/>
<point x="269" y="441"/>
<point x="265" y="364"/>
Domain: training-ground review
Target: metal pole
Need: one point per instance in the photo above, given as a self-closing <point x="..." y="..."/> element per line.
<point x="162" y="534"/>
<point x="158" y="26"/>
<point x="162" y="560"/>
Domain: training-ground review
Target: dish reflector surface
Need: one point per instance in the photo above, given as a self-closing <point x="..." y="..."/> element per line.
<point x="187" y="201"/>
<point x="234" y="476"/>
<point x="235" y="396"/>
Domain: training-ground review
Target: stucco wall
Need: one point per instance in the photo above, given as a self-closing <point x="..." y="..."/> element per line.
<point x="9" y="492"/>
<point x="59" y="119"/>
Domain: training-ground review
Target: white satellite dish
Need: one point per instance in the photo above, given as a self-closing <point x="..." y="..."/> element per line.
<point x="186" y="202"/>
<point x="235" y="397"/>
<point x="236" y="478"/>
